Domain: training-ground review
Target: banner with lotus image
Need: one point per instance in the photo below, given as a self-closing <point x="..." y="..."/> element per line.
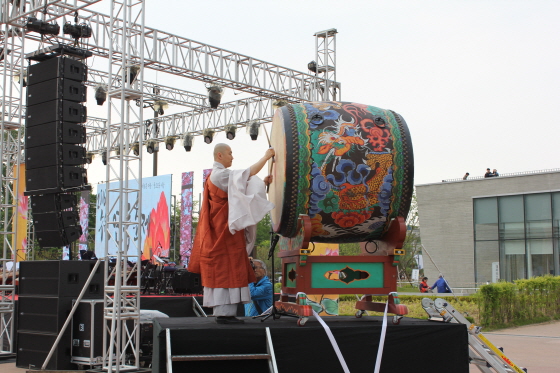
<point x="154" y="217"/>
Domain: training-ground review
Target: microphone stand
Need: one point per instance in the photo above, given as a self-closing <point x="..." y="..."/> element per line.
<point x="273" y="311"/>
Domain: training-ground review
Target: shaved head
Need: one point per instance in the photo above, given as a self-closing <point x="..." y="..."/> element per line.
<point x="220" y="148"/>
<point x="223" y="155"/>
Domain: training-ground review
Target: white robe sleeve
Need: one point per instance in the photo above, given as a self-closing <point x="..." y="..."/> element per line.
<point x="247" y="200"/>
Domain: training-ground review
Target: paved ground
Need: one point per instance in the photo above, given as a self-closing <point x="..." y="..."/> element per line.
<point x="535" y="347"/>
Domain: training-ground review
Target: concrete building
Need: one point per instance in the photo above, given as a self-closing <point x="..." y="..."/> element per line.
<point x="481" y="230"/>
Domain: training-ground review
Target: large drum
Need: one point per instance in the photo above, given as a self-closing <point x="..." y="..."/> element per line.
<point x="348" y="166"/>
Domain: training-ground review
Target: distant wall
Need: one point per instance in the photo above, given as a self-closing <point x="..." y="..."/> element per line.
<point x="445" y="213"/>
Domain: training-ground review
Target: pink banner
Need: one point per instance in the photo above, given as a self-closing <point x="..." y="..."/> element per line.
<point x="84" y="219"/>
<point x="205" y="174"/>
<point x="186" y="217"/>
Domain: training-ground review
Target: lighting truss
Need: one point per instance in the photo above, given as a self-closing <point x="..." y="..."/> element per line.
<point x="239" y="112"/>
<point x="185" y="57"/>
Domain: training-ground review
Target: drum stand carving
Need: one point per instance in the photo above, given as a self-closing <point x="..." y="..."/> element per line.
<point x="364" y="274"/>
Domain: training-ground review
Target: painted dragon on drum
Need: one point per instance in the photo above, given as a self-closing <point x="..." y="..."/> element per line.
<point x="348" y="166"/>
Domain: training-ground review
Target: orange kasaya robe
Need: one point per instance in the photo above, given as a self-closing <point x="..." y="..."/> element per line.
<point x="219" y="256"/>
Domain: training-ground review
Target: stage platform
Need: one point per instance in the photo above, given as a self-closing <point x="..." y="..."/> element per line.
<point x="412" y="346"/>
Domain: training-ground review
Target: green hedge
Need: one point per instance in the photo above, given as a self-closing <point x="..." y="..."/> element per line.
<point x="522" y="302"/>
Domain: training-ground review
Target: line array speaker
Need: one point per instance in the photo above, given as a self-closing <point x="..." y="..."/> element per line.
<point x="54" y="152"/>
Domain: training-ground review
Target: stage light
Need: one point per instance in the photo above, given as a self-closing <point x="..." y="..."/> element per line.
<point x="152" y="146"/>
<point x="43" y="28"/>
<point x="100" y="94"/>
<point x="24" y="80"/>
<point x="89" y="157"/>
<point x="104" y="157"/>
<point x="135" y="148"/>
<point x="132" y="73"/>
<point x="77" y="31"/>
<point x="230" y="131"/>
<point x="169" y="143"/>
<point x="160" y="106"/>
<point x="279" y="103"/>
<point x="188" y="140"/>
<point x="312" y="66"/>
<point x="208" y="134"/>
<point x="215" y="93"/>
<point x="253" y="129"/>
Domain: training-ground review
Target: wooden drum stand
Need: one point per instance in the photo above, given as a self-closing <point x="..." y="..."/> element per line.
<point x="366" y="274"/>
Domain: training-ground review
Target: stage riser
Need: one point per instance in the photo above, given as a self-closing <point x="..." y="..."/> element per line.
<point x="307" y="348"/>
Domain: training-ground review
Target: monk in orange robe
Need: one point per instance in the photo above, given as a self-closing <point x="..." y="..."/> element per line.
<point x="220" y="249"/>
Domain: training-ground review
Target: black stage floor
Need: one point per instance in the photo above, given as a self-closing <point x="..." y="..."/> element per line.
<point x="412" y="346"/>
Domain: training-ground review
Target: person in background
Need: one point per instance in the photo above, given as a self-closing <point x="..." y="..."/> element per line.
<point x="495" y="173"/>
<point x="466" y="176"/>
<point x="261" y="291"/>
<point x="441" y="285"/>
<point x="423" y="286"/>
<point x="488" y="173"/>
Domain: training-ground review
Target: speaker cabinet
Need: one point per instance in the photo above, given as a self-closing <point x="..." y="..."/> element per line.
<point x="55" y="132"/>
<point x="61" y="67"/>
<point x="58" y="238"/>
<point x="55" y="154"/>
<point x="52" y="221"/>
<point x="186" y="282"/>
<point x="33" y="348"/>
<point x="59" y="89"/>
<point x="55" y="110"/>
<point x="42" y="314"/>
<point x="54" y="179"/>
<point x="60" y="278"/>
<point x="53" y="202"/>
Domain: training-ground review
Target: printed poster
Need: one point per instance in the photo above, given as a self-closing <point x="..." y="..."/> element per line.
<point x="155" y="231"/>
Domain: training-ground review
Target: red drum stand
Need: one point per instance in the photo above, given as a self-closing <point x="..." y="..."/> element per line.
<point x="367" y="274"/>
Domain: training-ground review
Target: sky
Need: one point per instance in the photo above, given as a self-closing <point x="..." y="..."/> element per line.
<point x="477" y="82"/>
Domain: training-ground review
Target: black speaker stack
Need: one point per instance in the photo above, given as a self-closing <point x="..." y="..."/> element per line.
<point x="46" y="292"/>
<point x="54" y="147"/>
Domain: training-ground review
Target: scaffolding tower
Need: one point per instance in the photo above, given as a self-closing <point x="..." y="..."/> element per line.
<point x="130" y="47"/>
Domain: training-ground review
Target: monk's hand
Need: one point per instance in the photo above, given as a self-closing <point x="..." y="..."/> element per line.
<point x="269" y="153"/>
<point x="268" y="180"/>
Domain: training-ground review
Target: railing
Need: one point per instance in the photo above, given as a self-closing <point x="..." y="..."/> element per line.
<point x="504" y="175"/>
<point x="456" y="290"/>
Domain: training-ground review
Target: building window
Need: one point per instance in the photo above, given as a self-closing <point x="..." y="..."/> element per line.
<point x="518" y="234"/>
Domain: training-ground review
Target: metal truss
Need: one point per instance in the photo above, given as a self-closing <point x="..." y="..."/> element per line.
<point x="180" y="56"/>
<point x="22" y="9"/>
<point x="238" y="113"/>
<point x="153" y="91"/>
<point x="10" y="155"/>
<point x="122" y="38"/>
<point x="124" y="180"/>
<point x="325" y="55"/>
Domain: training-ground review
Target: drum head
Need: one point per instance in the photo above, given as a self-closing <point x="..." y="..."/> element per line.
<point x="276" y="189"/>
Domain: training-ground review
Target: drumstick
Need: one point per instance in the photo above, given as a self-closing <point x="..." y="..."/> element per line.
<point x="266" y="133"/>
<point x="271" y="163"/>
